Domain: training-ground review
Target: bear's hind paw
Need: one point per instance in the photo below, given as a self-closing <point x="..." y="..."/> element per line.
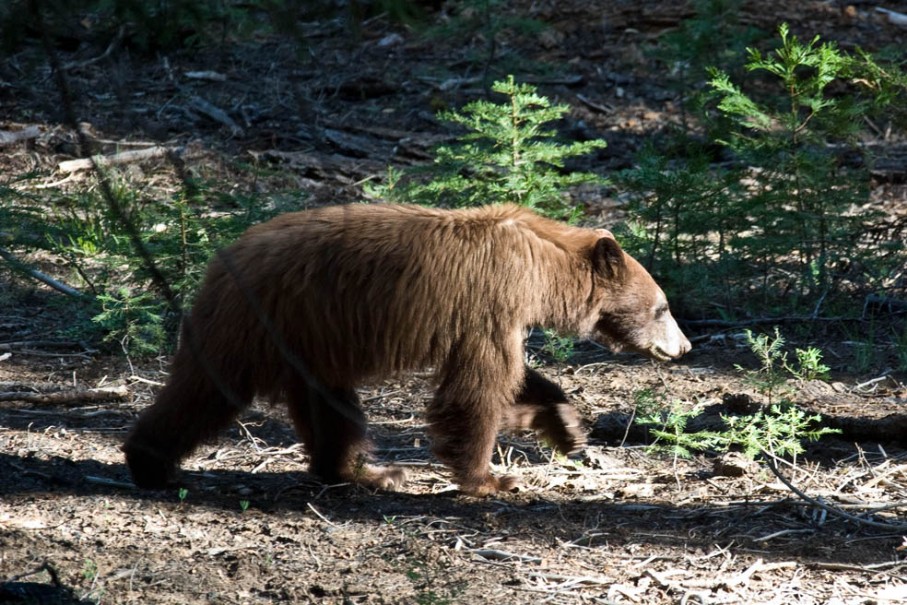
<point x="386" y="478"/>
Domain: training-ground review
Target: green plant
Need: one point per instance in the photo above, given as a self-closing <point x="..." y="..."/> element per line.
<point x="778" y="428"/>
<point x="89" y="570"/>
<point x="180" y="232"/>
<point x="799" y="209"/>
<point x="774" y="230"/>
<point x="683" y="224"/>
<point x="771" y="378"/>
<point x="244" y="505"/>
<point x="670" y="427"/>
<point x="560" y="348"/>
<point x="507" y="155"/>
<point x="135" y="321"/>
<point x="182" y="494"/>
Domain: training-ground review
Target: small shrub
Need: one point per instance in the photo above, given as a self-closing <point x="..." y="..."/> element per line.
<point x="771" y="378"/>
<point x="180" y="233"/>
<point x="777" y="429"/>
<point x="782" y="227"/>
<point x="507" y="155"/>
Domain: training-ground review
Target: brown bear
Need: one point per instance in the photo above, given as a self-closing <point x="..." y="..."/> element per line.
<point x="310" y="305"/>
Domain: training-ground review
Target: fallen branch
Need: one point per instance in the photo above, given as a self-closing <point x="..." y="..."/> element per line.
<point x="18" y="344"/>
<point x="121" y="33"/>
<point x="834" y="510"/>
<point x="492" y="554"/>
<point x="41" y="277"/>
<point x="118" y="393"/>
<point x="107" y="482"/>
<point x="215" y="113"/>
<point x="125" y="157"/>
<point x="607" y="109"/>
<point x="8" y="137"/>
<point x="887" y="304"/>
<point x="28" y="387"/>
<point x="896" y="18"/>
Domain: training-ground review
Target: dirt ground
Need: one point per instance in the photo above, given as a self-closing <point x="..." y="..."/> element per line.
<point x="611" y="525"/>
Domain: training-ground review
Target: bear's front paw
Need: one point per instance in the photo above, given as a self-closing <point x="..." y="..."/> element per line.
<point x="561" y="426"/>
<point x="489" y="485"/>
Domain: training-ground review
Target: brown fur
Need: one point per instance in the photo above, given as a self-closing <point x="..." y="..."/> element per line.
<point x="312" y="304"/>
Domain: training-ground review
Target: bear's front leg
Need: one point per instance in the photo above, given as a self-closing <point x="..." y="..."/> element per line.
<point x="542" y="406"/>
<point x="463" y="422"/>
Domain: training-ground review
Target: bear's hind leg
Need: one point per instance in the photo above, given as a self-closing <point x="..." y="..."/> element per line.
<point x="542" y="406"/>
<point x="332" y="426"/>
<point x="189" y="410"/>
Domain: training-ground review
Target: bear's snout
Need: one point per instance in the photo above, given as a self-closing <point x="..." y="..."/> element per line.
<point x="672" y="343"/>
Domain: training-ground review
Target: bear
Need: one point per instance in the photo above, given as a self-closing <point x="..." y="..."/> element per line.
<point x="308" y="306"/>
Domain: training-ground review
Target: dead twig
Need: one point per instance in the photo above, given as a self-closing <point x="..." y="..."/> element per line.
<point x="492" y="554"/>
<point x="320" y="516"/>
<point x="607" y="109"/>
<point x="572" y="580"/>
<point x="108" y="482"/>
<point x="121" y="34"/>
<point x="119" y="393"/>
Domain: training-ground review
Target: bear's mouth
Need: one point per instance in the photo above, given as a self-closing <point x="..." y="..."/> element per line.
<point x="658" y="353"/>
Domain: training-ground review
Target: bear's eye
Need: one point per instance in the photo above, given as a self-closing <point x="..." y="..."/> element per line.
<point x="660" y="311"/>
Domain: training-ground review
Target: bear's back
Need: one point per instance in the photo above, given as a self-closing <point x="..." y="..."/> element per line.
<point x="372" y="289"/>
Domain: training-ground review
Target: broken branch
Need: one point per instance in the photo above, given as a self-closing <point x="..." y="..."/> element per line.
<point x="124" y="157"/>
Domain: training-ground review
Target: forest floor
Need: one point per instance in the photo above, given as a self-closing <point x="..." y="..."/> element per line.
<point x="614" y="524"/>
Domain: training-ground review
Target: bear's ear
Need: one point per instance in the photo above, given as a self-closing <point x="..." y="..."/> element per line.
<point x="608" y="258"/>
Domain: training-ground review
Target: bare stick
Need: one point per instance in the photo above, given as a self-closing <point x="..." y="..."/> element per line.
<point x="8" y="137"/>
<point x="124" y="157"/>
<point x="41" y="277"/>
<point x="215" y="113"/>
<point x="119" y="393"/>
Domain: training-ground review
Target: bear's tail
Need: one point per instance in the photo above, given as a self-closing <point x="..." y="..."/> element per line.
<point x="202" y="397"/>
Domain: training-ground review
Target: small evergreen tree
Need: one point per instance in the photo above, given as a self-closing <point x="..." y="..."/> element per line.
<point x="769" y="230"/>
<point x="507" y="155"/>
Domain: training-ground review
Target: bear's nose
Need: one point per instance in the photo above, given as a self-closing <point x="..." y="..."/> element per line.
<point x="685" y="346"/>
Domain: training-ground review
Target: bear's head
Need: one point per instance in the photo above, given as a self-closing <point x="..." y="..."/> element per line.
<point x="633" y="313"/>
